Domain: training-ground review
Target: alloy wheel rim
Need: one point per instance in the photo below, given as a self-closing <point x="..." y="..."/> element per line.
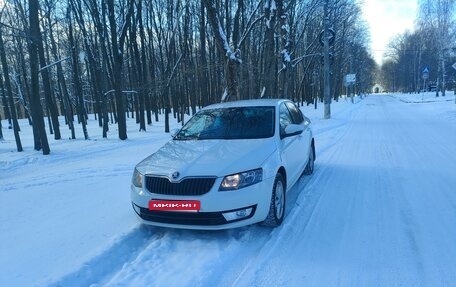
<point x="279" y="196"/>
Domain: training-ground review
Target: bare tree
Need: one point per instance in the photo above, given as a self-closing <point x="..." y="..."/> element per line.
<point x="169" y="56"/>
<point x="437" y="15"/>
<point x="117" y="45"/>
<point x="48" y="94"/>
<point x="76" y="75"/>
<point x="9" y="92"/>
<point x="41" y="141"/>
<point x="233" y="58"/>
<point x="66" y="108"/>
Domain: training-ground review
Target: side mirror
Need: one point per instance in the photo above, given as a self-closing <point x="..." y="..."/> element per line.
<point x="293" y="130"/>
<point x="306" y="121"/>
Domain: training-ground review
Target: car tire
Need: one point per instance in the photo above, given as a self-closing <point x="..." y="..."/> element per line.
<point x="277" y="205"/>
<point x="311" y="161"/>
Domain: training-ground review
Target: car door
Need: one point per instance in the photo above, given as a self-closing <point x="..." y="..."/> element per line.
<point x="298" y="118"/>
<point x="291" y="150"/>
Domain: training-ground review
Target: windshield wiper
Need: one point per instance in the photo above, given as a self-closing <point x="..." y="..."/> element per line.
<point x="187" y="137"/>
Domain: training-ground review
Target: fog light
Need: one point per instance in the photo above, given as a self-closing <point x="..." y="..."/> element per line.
<point x="136" y="208"/>
<point x="241" y="213"/>
<point x="238" y="214"/>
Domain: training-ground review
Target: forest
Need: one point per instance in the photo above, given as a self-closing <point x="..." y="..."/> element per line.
<point x="119" y="59"/>
<point x="431" y="46"/>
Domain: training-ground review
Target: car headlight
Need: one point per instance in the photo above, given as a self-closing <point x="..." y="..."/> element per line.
<point x="136" y="179"/>
<point x="242" y="179"/>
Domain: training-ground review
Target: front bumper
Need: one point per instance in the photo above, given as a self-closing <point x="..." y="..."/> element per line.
<point x="190" y="218"/>
<point x="214" y="205"/>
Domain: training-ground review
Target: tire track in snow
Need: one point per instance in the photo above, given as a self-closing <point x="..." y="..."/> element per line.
<point x="425" y="193"/>
<point x="202" y="256"/>
<point x="407" y="217"/>
<point x="100" y="268"/>
<point x="407" y="243"/>
<point x="310" y="204"/>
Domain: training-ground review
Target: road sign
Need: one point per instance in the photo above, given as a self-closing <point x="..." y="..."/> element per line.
<point x="349" y="79"/>
<point x="331" y="37"/>
<point x="425" y="74"/>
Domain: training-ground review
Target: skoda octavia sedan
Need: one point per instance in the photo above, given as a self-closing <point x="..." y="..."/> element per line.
<point x="230" y="165"/>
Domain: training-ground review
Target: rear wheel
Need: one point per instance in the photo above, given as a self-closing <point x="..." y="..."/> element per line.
<point x="277" y="206"/>
<point x="311" y="161"/>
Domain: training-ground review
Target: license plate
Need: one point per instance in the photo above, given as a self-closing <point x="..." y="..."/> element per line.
<point x="175" y="205"/>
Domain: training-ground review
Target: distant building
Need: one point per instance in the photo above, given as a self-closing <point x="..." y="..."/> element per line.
<point x="377" y="89"/>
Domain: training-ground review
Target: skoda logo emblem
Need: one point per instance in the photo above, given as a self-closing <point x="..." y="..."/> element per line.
<point x="175" y="175"/>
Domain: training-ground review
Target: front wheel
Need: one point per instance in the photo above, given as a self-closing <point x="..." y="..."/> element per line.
<point x="277" y="206"/>
<point x="311" y="161"/>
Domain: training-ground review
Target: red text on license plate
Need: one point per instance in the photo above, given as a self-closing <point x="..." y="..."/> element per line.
<point x="175" y="205"/>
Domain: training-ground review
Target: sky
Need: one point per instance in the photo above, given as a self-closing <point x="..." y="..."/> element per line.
<point x="386" y="19"/>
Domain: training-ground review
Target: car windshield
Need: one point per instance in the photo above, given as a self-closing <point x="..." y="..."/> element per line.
<point x="229" y="123"/>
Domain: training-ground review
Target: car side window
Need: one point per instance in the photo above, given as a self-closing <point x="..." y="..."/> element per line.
<point x="285" y="118"/>
<point x="296" y="113"/>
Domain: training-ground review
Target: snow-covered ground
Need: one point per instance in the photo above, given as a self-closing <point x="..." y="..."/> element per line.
<point x="380" y="209"/>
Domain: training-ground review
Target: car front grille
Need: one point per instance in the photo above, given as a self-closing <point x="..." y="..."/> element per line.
<point x="187" y="186"/>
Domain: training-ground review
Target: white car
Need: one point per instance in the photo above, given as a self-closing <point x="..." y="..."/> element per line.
<point x="230" y="165"/>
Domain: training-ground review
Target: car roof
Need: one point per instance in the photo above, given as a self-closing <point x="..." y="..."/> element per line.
<point x="248" y="103"/>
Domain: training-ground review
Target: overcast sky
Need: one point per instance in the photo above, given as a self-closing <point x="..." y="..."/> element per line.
<point x="387" y="18"/>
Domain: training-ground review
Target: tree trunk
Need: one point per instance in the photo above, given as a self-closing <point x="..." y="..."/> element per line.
<point x="6" y="109"/>
<point x="76" y="79"/>
<point x="67" y="107"/>
<point x="139" y="75"/>
<point x="233" y="58"/>
<point x="117" y="44"/>
<point x="9" y="92"/>
<point x="94" y="70"/>
<point x="145" y="101"/>
<point x="326" y="67"/>
<point x="48" y="95"/>
<point x="41" y="141"/>
<point x="204" y="98"/>
<point x="270" y="62"/>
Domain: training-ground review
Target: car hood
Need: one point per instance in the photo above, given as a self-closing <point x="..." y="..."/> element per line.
<point x="207" y="157"/>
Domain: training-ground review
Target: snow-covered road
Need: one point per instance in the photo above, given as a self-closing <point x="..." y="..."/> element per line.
<point x="380" y="210"/>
